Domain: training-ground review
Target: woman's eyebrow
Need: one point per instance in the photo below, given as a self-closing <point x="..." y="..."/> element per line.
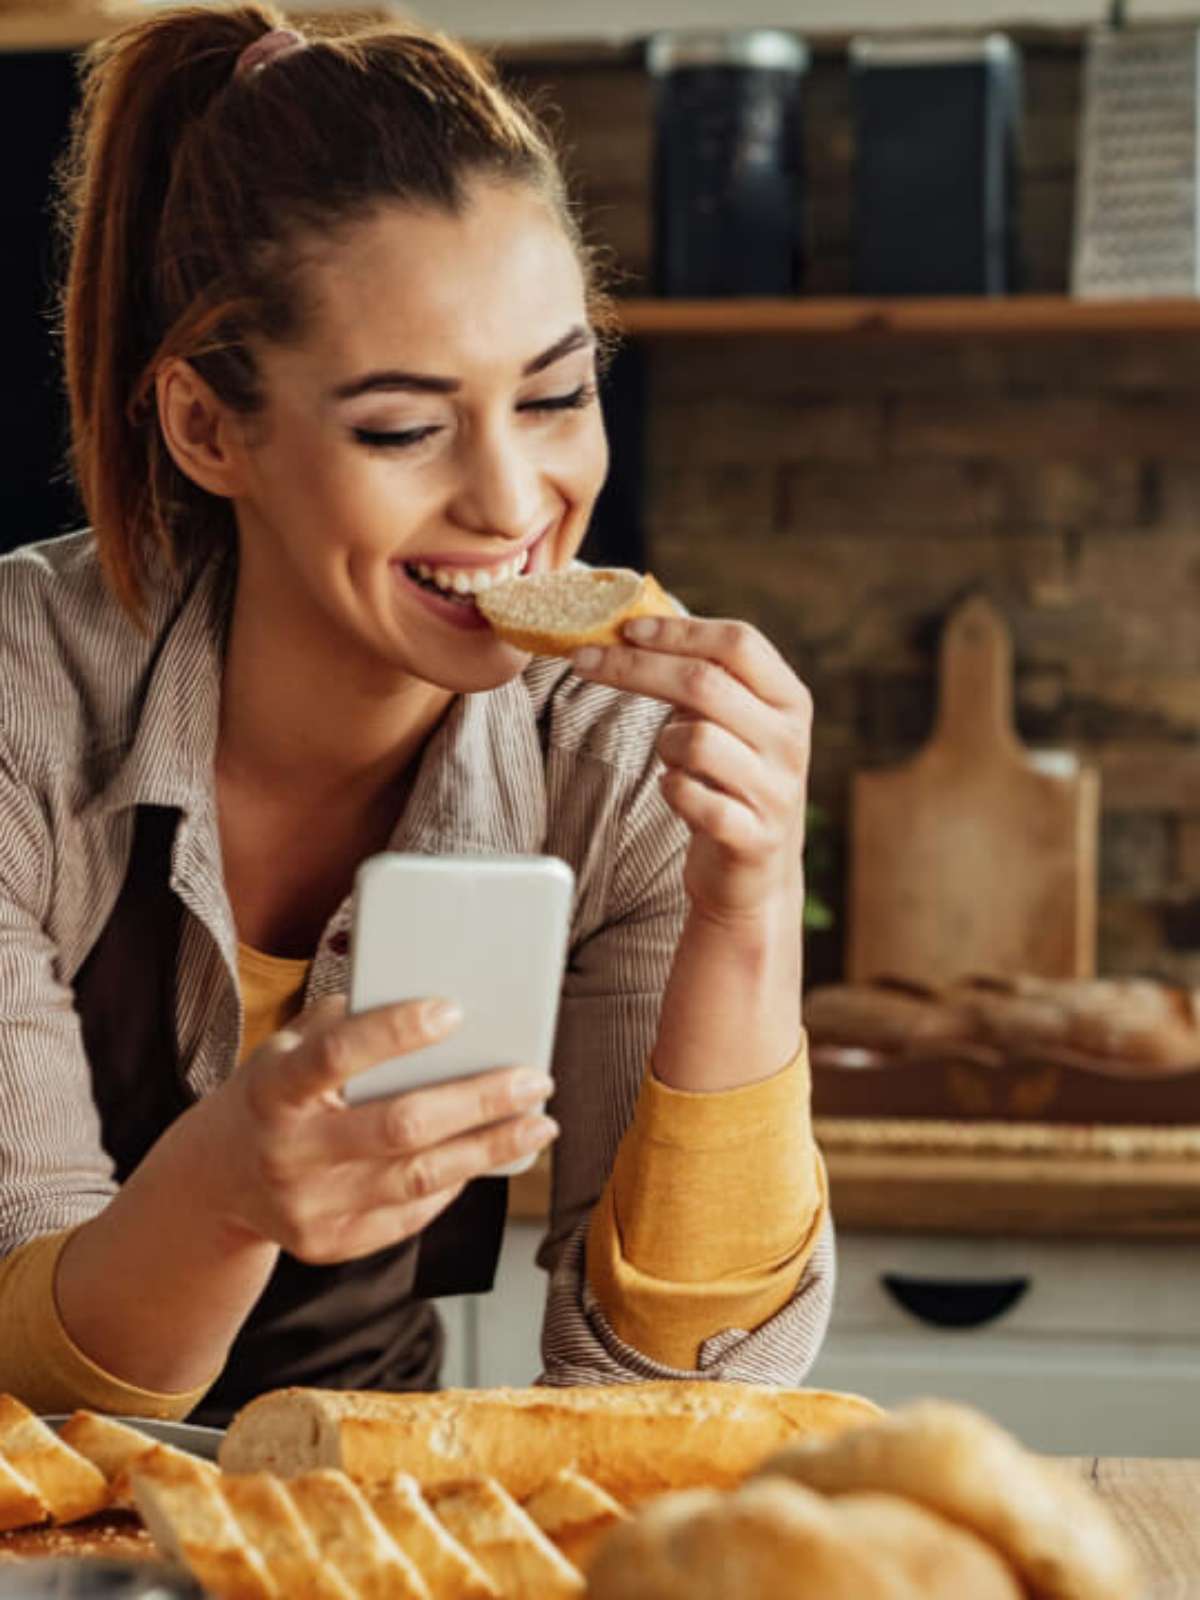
<point x="393" y="381"/>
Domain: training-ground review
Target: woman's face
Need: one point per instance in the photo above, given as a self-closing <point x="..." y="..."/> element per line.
<point x="437" y="430"/>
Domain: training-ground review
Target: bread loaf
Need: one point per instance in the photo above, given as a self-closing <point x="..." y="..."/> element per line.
<point x="633" y="1440"/>
<point x="557" y="613"/>
<point x="775" y="1541"/>
<point x="961" y="1465"/>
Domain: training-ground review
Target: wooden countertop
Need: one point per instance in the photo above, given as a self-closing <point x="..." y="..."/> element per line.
<point x="1158" y="1505"/>
<point x="991" y="1178"/>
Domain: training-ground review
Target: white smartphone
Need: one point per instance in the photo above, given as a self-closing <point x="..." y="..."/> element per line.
<point x="487" y="931"/>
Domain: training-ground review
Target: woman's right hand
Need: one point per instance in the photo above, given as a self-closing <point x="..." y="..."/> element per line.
<point x="328" y="1181"/>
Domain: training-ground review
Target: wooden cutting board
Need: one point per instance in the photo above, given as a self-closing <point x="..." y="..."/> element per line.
<point x="977" y="856"/>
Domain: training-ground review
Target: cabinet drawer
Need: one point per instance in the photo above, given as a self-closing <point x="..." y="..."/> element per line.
<point x="1077" y="1398"/>
<point x="1093" y="1289"/>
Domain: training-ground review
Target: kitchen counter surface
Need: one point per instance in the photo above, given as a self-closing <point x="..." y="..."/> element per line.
<point x="1158" y="1505"/>
<point x="992" y="1178"/>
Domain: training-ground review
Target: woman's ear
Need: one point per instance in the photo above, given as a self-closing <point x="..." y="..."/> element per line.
<point x="200" y="432"/>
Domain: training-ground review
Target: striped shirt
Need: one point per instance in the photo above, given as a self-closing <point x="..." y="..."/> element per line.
<point x="97" y="718"/>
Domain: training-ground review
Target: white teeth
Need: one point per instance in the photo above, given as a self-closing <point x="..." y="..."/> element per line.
<point x="459" y="580"/>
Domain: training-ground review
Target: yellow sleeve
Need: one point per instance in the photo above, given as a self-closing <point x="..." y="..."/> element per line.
<point x="711" y="1213"/>
<point x="39" y="1362"/>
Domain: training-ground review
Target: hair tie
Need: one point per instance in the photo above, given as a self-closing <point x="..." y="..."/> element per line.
<point x="268" y="48"/>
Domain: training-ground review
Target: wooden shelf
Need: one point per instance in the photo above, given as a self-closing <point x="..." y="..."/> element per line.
<point x="1025" y="315"/>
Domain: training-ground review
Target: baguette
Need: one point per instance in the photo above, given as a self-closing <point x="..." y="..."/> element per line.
<point x="575" y="1514"/>
<point x="189" y="1520"/>
<point x="557" y="613"/>
<point x="67" y="1482"/>
<point x="510" y="1547"/>
<point x="20" y="1502"/>
<point x="450" y="1572"/>
<point x="352" y="1539"/>
<point x="114" y="1449"/>
<point x="271" y="1524"/>
<point x="634" y="1440"/>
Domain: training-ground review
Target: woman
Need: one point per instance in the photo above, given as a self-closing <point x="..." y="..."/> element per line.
<point x="331" y="340"/>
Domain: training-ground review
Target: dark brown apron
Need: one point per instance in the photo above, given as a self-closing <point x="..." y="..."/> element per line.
<point x="364" y="1324"/>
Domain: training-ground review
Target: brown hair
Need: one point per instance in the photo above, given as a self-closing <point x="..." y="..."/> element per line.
<point x="185" y="191"/>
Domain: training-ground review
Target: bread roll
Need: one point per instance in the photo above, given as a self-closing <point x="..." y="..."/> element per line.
<point x="557" y="613"/>
<point x="634" y="1440"/>
<point x="775" y="1541"/>
<point x="1055" y="1533"/>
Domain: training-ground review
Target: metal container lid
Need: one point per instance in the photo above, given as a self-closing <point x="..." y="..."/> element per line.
<point x="681" y="49"/>
<point x="993" y="48"/>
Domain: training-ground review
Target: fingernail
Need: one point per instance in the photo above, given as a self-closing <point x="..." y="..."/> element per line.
<point x="441" y="1014"/>
<point x="530" y="1087"/>
<point x="587" y="659"/>
<point x="539" y="1131"/>
<point x="641" y="629"/>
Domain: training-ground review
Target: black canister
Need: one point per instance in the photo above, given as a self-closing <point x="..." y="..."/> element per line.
<point x="936" y="123"/>
<point x="728" y="181"/>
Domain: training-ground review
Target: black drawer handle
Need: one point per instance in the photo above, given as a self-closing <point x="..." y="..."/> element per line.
<point x="947" y="1303"/>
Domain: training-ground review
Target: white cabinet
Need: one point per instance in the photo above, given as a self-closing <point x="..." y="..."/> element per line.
<point x="493" y="1340"/>
<point x="1097" y="1352"/>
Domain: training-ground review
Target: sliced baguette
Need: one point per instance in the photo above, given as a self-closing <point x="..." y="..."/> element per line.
<point x="557" y="613"/>
<point x="634" y="1440"/>
<point x="352" y="1539"/>
<point x="180" y="1501"/>
<point x="114" y="1448"/>
<point x="20" y="1502"/>
<point x="575" y="1514"/>
<point x="450" y="1571"/>
<point x="67" y="1482"/>
<point x="509" y="1545"/>
<point x="273" y="1526"/>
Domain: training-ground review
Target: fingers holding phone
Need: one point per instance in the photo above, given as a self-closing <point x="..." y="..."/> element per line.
<point x="330" y="1182"/>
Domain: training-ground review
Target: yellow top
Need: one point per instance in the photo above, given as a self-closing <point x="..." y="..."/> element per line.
<point x="708" y="1221"/>
<point x="272" y="993"/>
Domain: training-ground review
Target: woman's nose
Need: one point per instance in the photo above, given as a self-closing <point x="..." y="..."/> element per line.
<point x="502" y="491"/>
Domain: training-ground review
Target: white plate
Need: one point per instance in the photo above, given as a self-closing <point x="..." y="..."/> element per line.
<point x="183" y="1435"/>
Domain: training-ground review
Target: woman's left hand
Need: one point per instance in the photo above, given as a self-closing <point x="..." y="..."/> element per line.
<point x="736" y="753"/>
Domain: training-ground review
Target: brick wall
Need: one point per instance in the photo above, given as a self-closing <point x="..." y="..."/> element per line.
<point x="844" y="493"/>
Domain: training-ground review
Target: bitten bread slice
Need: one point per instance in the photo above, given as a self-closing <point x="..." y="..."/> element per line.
<point x="510" y="1546"/>
<point x="67" y="1482"/>
<point x="351" y="1538"/>
<point x="450" y="1571"/>
<point x="574" y="1513"/>
<point x="634" y="1440"/>
<point x="20" y="1502"/>
<point x="557" y="613"/>
<point x="274" y="1527"/>
<point x="180" y="1501"/>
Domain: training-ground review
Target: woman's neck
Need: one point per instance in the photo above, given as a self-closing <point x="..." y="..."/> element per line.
<point x="300" y="720"/>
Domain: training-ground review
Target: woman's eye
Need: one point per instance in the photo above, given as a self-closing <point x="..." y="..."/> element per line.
<point x="575" y="401"/>
<point x="403" y="439"/>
